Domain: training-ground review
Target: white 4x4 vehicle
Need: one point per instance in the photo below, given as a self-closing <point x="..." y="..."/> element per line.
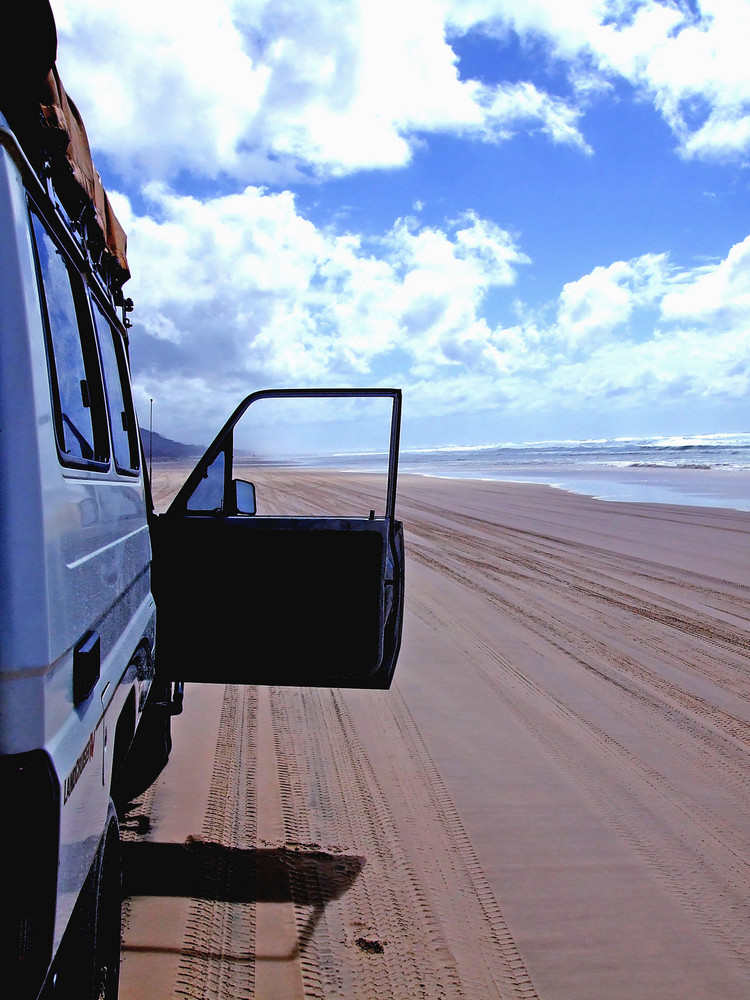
<point x="96" y="635"/>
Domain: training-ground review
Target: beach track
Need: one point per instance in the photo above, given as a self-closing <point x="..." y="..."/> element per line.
<point x="552" y="801"/>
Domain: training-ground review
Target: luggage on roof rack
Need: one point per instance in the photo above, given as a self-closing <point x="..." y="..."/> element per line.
<point x="51" y="132"/>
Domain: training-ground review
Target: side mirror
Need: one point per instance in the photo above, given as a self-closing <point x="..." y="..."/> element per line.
<point x="244" y="496"/>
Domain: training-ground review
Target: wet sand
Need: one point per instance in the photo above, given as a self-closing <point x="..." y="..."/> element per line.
<point x="551" y="801"/>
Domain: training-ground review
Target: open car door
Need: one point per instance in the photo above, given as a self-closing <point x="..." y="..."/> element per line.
<point x="314" y="597"/>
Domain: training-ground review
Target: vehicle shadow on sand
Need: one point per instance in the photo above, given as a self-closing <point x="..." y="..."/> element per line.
<point x="304" y="875"/>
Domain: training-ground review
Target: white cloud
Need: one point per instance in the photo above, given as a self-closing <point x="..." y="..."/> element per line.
<point x="689" y="59"/>
<point x="595" y="303"/>
<point x="508" y="108"/>
<point x="600" y="302"/>
<point x="239" y="290"/>
<point x="696" y="73"/>
<point x="634" y="335"/>
<point x="717" y="295"/>
<point x="267" y="91"/>
<point x="163" y="85"/>
<point x="244" y="289"/>
<point x="261" y="90"/>
<point x="443" y="280"/>
<point x="683" y="350"/>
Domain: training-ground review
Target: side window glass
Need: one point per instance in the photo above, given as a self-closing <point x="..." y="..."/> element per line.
<point x="209" y="493"/>
<point x="117" y="389"/>
<point x="80" y="422"/>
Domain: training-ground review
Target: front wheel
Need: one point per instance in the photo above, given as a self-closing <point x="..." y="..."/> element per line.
<point x="149" y="752"/>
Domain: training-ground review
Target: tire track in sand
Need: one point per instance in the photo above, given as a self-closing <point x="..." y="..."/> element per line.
<point x="688" y="848"/>
<point x="356" y="779"/>
<point x="595" y="651"/>
<point x="712" y="614"/>
<point x="371" y="870"/>
<point x="216" y="962"/>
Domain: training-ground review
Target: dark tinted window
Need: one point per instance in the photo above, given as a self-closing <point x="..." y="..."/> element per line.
<point x="119" y="401"/>
<point x="80" y="421"/>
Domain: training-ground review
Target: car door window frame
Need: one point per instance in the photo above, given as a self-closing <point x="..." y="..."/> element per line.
<point x="224" y="442"/>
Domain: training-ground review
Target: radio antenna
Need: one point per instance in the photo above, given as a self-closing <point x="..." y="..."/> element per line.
<point x="150" y="439"/>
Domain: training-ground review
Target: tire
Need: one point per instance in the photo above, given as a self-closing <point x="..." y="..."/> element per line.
<point x="88" y="962"/>
<point x="108" y="920"/>
<point x="149" y="752"/>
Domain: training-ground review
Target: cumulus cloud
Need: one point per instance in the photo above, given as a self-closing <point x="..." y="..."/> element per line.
<point x="245" y="289"/>
<point x="687" y="56"/>
<point x="268" y="91"/>
<point x="718" y="294"/>
<point x="237" y="283"/>
<point x="241" y="291"/>
<point x="634" y="334"/>
<point x="630" y="336"/>
<point x="599" y="303"/>
<point x="509" y="108"/>
<point x="692" y="61"/>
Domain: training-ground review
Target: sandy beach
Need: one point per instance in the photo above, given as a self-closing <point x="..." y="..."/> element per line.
<point x="552" y="801"/>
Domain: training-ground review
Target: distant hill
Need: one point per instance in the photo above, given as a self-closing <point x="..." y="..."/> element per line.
<point x="163" y="447"/>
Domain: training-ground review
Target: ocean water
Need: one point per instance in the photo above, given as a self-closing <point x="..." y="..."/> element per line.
<point x="710" y="470"/>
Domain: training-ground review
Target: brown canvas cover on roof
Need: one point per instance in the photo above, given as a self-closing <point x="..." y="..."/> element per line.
<point x="50" y="128"/>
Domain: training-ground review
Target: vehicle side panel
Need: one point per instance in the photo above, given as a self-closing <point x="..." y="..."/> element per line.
<point x="74" y="562"/>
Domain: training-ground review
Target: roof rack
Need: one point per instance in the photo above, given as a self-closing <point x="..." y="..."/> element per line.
<point x="51" y="133"/>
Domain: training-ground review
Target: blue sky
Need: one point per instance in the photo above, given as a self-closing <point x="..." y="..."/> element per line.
<point x="532" y="216"/>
